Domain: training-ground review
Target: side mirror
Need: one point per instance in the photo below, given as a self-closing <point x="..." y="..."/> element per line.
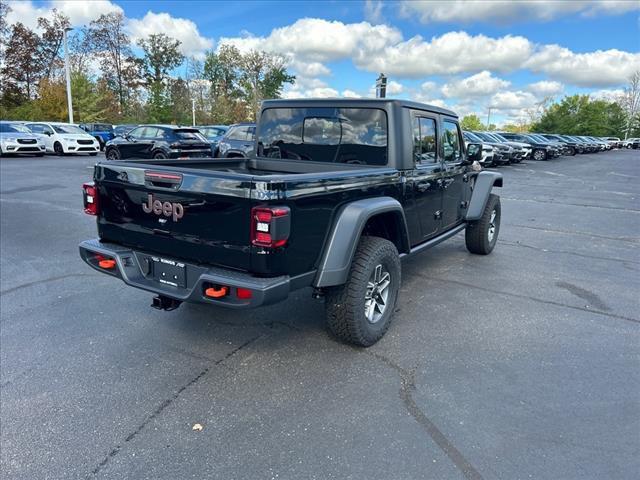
<point x="474" y="153"/>
<point x="48" y="134"/>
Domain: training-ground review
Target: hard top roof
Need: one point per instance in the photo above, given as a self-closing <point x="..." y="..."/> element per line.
<point x="357" y="102"/>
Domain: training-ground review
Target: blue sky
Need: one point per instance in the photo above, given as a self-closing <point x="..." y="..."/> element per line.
<point x="469" y="56"/>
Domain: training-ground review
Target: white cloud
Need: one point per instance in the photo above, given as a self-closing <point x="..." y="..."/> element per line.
<point x="192" y="43"/>
<point x="79" y="13"/>
<point x="315" y="39"/>
<point x="478" y="85"/>
<point x="373" y="11"/>
<point x="610" y="95"/>
<point x="513" y="100"/>
<point x="510" y="11"/>
<point x="545" y="88"/>
<point x="451" y="53"/>
<point x="593" y="69"/>
<point x="394" y="88"/>
<point x="350" y="94"/>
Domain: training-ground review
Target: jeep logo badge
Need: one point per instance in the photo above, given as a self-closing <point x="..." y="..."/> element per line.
<point x="168" y="209"/>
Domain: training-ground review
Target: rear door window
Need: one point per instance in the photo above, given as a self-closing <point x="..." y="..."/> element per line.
<point x="425" y="145"/>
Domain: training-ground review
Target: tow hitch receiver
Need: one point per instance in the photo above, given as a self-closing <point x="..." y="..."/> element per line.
<point x="165" y="303"/>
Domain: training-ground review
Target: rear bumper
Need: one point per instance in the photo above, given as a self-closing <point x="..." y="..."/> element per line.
<point x="129" y="269"/>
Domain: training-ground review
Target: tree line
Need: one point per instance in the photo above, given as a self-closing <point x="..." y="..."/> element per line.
<point x="579" y="115"/>
<point x="111" y="83"/>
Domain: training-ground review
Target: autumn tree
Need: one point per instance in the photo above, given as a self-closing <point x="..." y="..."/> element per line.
<point x="51" y="40"/>
<point x="119" y="67"/>
<point x="23" y="65"/>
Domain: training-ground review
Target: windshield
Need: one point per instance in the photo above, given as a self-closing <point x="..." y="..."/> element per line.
<point x="68" y="129"/>
<point x="342" y="135"/>
<point x="212" y="132"/>
<point x="189" y="135"/>
<point x="4" y="127"/>
<point x="484" y="137"/>
<point x="499" y="137"/>
<point x="471" y="136"/>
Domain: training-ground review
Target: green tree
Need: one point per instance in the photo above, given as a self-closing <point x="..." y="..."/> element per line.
<point x="263" y="76"/>
<point x="161" y="55"/>
<point x="471" y="122"/>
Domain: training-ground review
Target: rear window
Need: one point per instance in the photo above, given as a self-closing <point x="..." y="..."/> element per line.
<point x="340" y="135"/>
<point x="103" y="127"/>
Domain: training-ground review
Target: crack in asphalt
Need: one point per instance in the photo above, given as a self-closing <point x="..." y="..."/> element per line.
<point x="160" y="408"/>
<point x="528" y="297"/>
<point x="566" y="252"/>
<point x="407" y="387"/>
<point x="47" y="280"/>
<point x="571" y="232"/>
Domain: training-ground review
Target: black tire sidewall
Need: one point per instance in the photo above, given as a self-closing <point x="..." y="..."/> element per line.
<point x="55" y="149"/>
<point x="160" y="156"/>
<point x="112" y="154"/>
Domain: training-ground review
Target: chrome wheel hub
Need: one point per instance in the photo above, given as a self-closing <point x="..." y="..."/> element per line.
<point x="492" y="226"/>
<point x="377" y="294"/>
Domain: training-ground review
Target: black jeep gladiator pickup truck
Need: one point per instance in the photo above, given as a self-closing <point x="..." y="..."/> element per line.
<point x="335" y="193"/>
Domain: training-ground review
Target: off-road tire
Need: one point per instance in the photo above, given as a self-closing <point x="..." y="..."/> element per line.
<point x="345" y="304"/>
<point x="477" y="236"/>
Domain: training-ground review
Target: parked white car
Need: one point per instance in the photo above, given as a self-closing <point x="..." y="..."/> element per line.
<point x="16" y="139"/>
<point x="64" y="138"/>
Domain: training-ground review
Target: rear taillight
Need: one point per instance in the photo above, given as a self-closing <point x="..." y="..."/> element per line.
<point x="270" y="226"/>
<point x="90" y="198"/>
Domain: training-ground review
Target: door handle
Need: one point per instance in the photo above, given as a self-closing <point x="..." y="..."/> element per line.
<point x="423" y="186"/>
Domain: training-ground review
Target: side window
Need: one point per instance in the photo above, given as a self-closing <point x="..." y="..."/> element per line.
<point x="452" y="144"/>
<point x="47" y="129"/>
<point x="251" y="134"/>
<point x="238" y="133"/>
<point x="137" y="132"/>
<point x="425" y="143"/>
<point x="152" y="132"/>
<point x="36" y="128"/>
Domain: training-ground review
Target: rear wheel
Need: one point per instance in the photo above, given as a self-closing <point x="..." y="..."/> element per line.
<point x="360" y="311"/>
<point x="57" y="147"/>
<point x="159" y="156"/>
<point x="481" y="236"/>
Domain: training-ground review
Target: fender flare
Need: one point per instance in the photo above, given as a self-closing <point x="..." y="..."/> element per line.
<point x="485" y="181"/>
<point x="347" y="228"/>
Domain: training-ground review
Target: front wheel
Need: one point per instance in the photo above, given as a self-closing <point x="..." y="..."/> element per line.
<point x="539" y="155"/>
<point x="360" y="311"/>
<point x="159" y="156"/>
<point x="481" y="236"/>
<point x="113" y="154"/>
<point x="57" y="147"/>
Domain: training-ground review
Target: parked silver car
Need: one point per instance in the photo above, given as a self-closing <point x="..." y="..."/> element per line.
<point x="16" y="139"/>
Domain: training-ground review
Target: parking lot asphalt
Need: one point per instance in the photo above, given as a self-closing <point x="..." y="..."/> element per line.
<point x="521" y="364"/>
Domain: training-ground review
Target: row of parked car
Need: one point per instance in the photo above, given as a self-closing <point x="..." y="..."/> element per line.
<point x="126" y="141"/>
<point x="172" y="141"/>
<point x="503" y="148"/>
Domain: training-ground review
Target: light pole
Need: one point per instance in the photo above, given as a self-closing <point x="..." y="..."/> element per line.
<point x="67" y="73"/>
<point x="381" y="86"/>
<point x="193" y="112"/>
<point x="489" y="119"/>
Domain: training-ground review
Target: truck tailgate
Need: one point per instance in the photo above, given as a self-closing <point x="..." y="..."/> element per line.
<point x="201" y="216"/>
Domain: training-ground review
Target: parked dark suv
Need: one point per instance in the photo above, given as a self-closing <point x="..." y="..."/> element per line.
<point x="159" y="141"/>
<point x="238" y="141"/>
